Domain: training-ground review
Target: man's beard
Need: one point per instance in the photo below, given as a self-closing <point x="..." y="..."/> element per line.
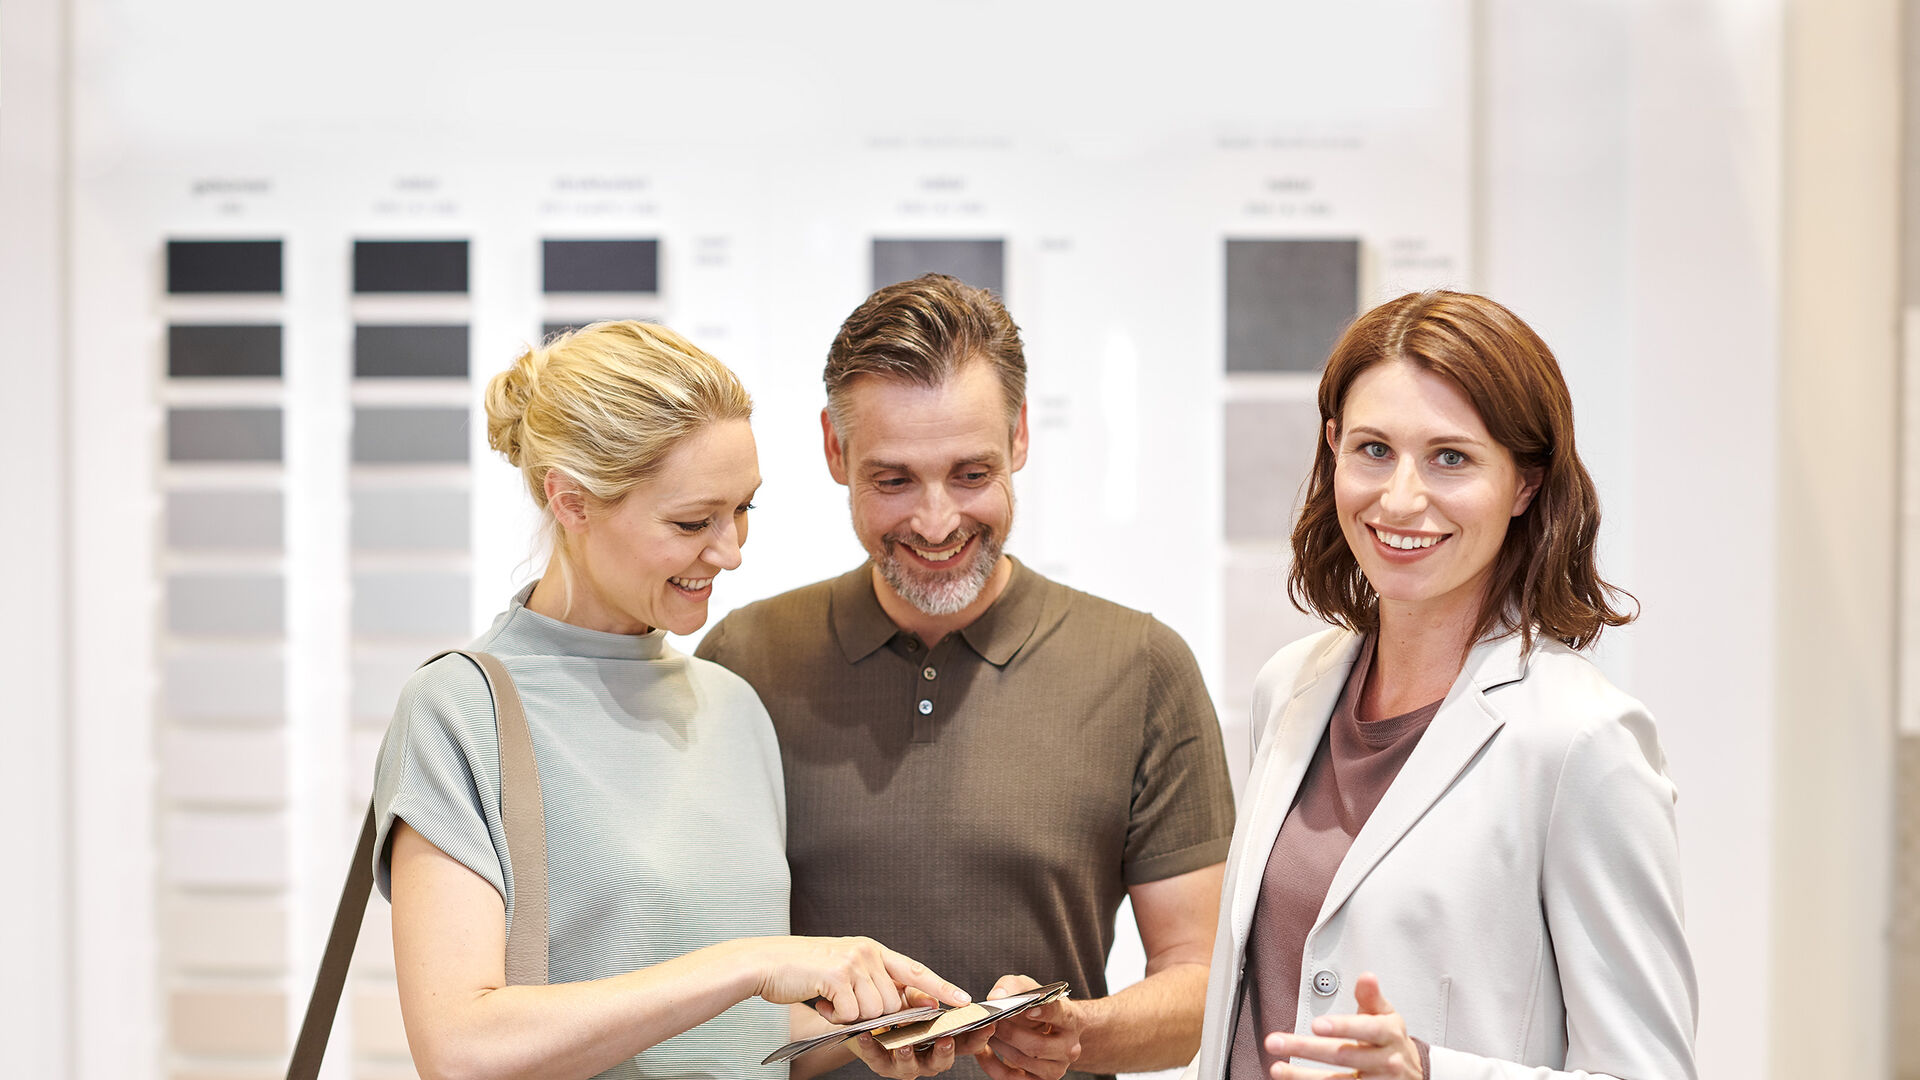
<point x="946" y="591"/>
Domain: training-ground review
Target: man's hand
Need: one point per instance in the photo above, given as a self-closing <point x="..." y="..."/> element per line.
<point x="1040" y="1043"/>
<point x="906" y="1063"/>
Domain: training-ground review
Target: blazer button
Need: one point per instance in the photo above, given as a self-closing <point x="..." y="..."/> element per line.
<point x="1326" y="983"/>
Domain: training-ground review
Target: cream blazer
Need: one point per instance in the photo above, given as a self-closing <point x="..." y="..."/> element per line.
<point x="1517" y="889"/>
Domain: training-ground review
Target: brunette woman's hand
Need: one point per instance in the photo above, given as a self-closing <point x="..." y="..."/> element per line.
<point x="1372" y="1044"/>
<point x="852" y="977"/>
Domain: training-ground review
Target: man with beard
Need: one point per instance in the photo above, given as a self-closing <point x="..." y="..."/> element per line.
<point x="981" y="763"/>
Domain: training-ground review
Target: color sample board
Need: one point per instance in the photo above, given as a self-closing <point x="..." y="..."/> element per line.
<point x="600" y="266"/>
<point x="1288" y="301"/>
<point x="980" y="263"/>
<point x="1268" y="456"/>
<point x="410" y="266"/>
<point x="225" y="351"/>
<point x="221" y="519"/>
<point x="386" y="435"/>
<point x="231" y="434"/>
<point x="223" y="266"/>
<point x="411" y="352"/>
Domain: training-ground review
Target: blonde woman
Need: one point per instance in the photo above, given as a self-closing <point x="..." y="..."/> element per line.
<point x="665" y="817"/>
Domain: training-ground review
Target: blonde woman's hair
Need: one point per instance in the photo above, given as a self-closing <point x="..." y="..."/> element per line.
<point x="605" y="405"/>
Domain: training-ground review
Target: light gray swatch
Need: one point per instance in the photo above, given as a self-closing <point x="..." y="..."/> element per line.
<point x="223" y="434"/>
<point x="386" y="435"/>
<point x="225" y="519"/>
<point x="411" y="604"/>
<point x="222" y="605"/>
<point x="224" y="683"/>
<point x="377" y="678"/>
<point x="410" y="352"/>
<point x="411" y="519"/>
<point x="1269" y="454"/>
<point x="1258" y="619"/>
<point x="1288" y="301"/>
<point x="980" y="263"/>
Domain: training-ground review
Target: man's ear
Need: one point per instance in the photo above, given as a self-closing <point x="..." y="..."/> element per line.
<point x="836" y="453"/>
<point x="1019" y="459"/>
<point x="566" y="501"/>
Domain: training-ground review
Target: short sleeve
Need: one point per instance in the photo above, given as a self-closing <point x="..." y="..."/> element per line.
<point x="439" y="771"/>
<point x="1182" y="815"/>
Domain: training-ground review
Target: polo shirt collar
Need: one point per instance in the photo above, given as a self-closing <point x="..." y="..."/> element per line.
<point x="862" y="626"/>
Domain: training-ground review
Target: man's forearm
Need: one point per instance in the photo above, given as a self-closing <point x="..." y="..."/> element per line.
<point x="1153" y="1024"/>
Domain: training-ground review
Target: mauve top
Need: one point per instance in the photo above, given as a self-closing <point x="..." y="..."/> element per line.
<point x="1351" y="769"/>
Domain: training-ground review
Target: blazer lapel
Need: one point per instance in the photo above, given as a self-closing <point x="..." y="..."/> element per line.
<point x="1462" y="726"/>
<point x="1282" y="762"/>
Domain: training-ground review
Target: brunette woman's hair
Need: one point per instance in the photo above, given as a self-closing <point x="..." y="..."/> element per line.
<point x="1544" y="579"/>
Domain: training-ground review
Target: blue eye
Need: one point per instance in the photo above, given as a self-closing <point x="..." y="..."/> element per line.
<point x="1451" y="458"/>
<point x="1374" y="450"/>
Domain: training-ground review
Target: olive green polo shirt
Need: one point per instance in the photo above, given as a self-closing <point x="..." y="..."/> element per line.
<point x="983" y="805"/>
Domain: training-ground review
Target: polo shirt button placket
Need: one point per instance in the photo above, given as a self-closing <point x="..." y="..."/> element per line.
<point x="926" y="687"/>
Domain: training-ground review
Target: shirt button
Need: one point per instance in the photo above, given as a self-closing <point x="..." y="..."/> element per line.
<point x="926" y="707"/>
<point x="928" y="674"/>
<point x="913" y="644"/>
<point x="1326" y="983"/>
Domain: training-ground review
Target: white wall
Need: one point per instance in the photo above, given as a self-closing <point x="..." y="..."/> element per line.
<point x="1632" y="184"/>
<point x="36" y="921"/>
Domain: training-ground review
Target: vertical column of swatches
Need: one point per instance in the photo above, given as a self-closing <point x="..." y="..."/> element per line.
<point x="222" y="739"/>
<point x="409" y="538"/>
<point x="1287" y="301"/>
<point x="586" y="281"/>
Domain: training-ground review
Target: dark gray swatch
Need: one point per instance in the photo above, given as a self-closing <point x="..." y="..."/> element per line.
<point x="410" y="352"/>
<point x="410" y="266"/>
<point x="410" y="604"/>
<point x="223" y="434"/>
<point x="411" y="518"/>
<point x="1269" y="452"/>
<point x="222" y="605"/>
<point x="385" y="435"/>
<point x="223" y="266"/>
<point x="225" y="519"/>
<point x="223" y="352"/>
<point x="549" y="331"/>
<point x="1288" y="301"/>
<point x="600" y="266"/>
<point x="980" y="263"/>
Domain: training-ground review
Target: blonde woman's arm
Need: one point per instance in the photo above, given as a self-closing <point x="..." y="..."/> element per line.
<point x="464" y="1023"/>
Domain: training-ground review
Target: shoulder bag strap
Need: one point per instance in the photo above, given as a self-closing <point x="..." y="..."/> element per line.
<point x="523" y="814"/>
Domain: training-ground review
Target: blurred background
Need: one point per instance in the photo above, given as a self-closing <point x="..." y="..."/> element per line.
<point x="257" y="262"/>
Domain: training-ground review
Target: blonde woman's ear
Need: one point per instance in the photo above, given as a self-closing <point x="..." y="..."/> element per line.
<point x="566" y="501"/>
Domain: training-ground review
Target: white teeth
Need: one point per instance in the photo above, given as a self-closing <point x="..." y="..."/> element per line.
<point x="1405" y="543"/>
<point x="691" y="584"/>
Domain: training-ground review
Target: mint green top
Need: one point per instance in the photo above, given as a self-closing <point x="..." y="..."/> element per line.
<point x="665" y="813"/>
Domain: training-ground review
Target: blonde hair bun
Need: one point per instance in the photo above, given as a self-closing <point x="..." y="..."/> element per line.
<point x="509" y="395"/>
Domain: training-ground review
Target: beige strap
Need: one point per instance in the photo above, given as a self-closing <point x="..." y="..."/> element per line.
<point x="522" y="813"/>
